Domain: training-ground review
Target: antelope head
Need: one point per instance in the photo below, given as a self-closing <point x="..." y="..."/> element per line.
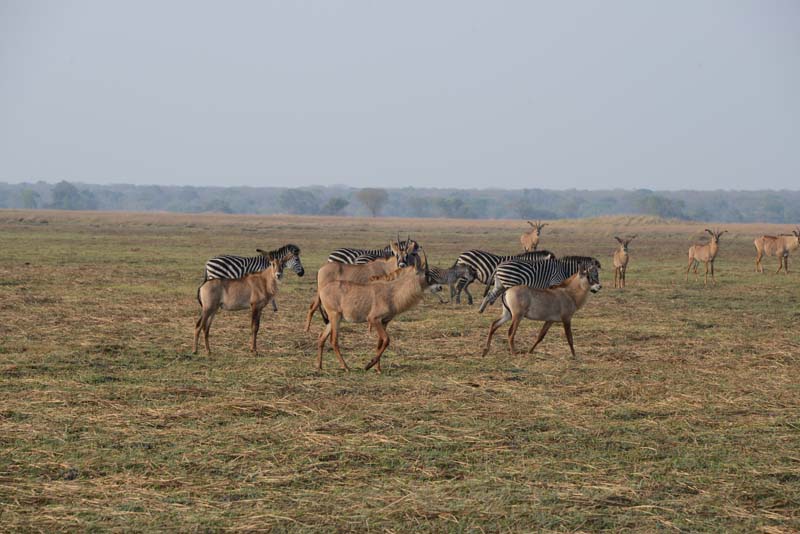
<point x="400" y="252"/>
<point x="277" y="268"/>
<point x="625" y="242"/>
<point x="592" y="276"/>
<point x="715" y="235"/>
<point x="537" y="227"/>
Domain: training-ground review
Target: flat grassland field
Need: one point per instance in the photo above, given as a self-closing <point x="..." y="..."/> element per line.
<point x="682" y="412"/>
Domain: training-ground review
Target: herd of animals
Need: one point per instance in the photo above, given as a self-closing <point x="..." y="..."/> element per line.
<point x="374" y="286"/>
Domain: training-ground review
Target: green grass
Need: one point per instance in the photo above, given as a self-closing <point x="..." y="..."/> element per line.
<point x="682" y="412"/>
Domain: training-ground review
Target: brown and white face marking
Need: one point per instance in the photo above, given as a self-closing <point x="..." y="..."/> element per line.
<point x="715" y="235"/>
<point x="625" y="242"/>
<point x="277" y="267"/>
<point x="593" y="277"/>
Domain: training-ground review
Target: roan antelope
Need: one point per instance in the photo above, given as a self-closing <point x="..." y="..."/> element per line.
<point x="254" y="291"/>
<point x="376" y="303"/>
<point x="780" y="246"/>
<point x="554" y="305"/>
<point x="359" y="273"/>
<point x="530" y="239"/>
<point x="705" y="253"/>
<point x="621" y="261"/>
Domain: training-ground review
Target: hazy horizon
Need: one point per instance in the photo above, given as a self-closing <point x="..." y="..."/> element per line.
<point x="486" y="188"/>
<point x="513" y="95"/>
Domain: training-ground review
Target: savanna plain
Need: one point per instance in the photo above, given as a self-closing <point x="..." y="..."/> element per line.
<point x="681" y="413"/>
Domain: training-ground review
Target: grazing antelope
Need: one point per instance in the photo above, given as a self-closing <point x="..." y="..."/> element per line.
<point x="376" y="303"/>
<point x="530" y="239"/>
<point x="780" y="246"/>
<point x="705" y="253"/>
<point x="621" y="261"/>
<point x="254" y="291"/>
<point x="554" y="305"/>
<point x="359" y="273"/>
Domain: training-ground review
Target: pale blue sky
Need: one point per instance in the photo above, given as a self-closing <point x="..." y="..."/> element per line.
<point x="590" y="95"/>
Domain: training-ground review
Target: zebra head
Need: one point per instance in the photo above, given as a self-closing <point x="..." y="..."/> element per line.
<point x="290" y="256"/>
<point x="293" y="262"/>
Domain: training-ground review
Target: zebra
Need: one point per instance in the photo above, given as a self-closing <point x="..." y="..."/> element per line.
<point x="484" y="263"/>
<point x="541" y="274"/>
<point x="228" y="266"/>
<point x="359" y="256"/>
<point x="450" y="277"/>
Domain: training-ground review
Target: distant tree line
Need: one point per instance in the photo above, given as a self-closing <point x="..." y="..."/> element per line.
<point x="722" y="206"/>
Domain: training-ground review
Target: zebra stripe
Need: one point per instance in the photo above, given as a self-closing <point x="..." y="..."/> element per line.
<point x="229" y="266"/>
<point x="484" y="263"/>
<point x="450" y="277"/>
<point x="358" y="256"/>
<point x="541" y="274"/>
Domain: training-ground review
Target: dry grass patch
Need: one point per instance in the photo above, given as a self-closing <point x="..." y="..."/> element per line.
<point x="682" y="412"/>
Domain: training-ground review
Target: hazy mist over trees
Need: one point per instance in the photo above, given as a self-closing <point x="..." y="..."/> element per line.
<point x="723" y="206"/>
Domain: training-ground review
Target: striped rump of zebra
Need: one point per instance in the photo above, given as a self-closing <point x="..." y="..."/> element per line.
<point x="230" y="267"/>
<point x="484" y="263"/>
<point x="541" y="274"/>
<point x="358" y="256"/>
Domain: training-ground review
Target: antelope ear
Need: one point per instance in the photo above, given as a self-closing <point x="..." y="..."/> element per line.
<point x="709" y="231"/>
<point x="543" y="225"/>
<point x="618" y="239"/>
<point x="261" y="252"/>
<point x="532" y="224"/>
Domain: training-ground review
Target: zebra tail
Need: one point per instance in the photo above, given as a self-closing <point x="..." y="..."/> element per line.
<point x="501" y="293"/>
<point x="490" y="283"/>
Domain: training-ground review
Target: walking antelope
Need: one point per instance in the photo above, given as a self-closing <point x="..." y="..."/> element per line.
<point x="780" y="246"/>
<point x="705" y="253"/>
<point x="483" y="264"/>
<point x="540" y="274"/>
<point x="359" y="273"/>
<point x="240" y="266"/>
<point x="553" y="305"/>
<point x="530" y="239"/>
<point x="376" y="303"/>
<point x="621" y="261"/>
<point x="253" y="291"/>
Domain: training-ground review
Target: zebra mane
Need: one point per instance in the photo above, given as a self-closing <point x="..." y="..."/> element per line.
<point x="279" y="253"/>
<point x="582" y="260"/>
